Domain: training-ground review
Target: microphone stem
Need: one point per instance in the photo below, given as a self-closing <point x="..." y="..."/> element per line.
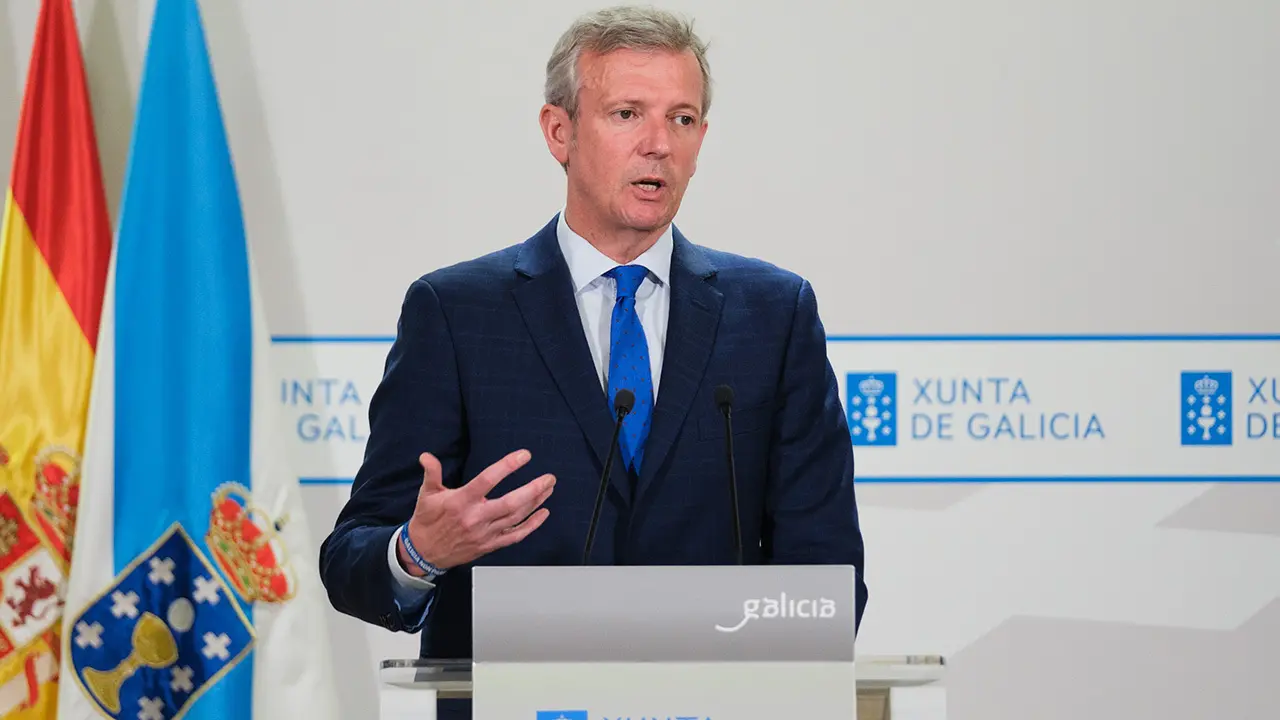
<point x="733" y="486"/>
<point x="604" y="483"/>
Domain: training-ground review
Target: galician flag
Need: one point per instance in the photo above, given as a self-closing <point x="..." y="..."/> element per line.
<point x="194" y="592"/>
<point x="55" y="243"/>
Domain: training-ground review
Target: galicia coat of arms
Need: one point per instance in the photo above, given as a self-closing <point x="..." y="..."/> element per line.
<point x="173" y="618"/>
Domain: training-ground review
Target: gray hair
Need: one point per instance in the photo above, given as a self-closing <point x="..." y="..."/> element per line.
<point x="631" y="27"/>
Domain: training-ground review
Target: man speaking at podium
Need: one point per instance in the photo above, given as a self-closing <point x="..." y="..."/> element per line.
<point x="491" y="426"/>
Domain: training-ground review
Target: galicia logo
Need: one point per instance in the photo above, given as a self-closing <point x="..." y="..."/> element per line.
<point x="872" y="408"/>
<point x="1207" y="414"/>
<point x="781" y="608"/>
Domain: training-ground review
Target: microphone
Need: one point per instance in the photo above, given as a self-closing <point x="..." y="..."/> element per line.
<point x="622" y="403"/>
<point x="724" y="400"/>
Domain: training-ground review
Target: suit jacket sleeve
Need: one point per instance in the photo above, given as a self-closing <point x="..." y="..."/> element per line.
<point x="416" y="408"/>
<point x="811" y="512"/>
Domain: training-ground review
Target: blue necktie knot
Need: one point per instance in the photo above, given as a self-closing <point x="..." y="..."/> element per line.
<point x="628" y="278"/>
<point x="629" y="362"/>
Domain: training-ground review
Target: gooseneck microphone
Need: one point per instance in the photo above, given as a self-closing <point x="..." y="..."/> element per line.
<point x="724" y="400"/>
<point x="622" y="404"/>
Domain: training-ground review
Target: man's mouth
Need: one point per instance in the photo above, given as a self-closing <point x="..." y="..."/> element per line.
<point x="652" y="184"/>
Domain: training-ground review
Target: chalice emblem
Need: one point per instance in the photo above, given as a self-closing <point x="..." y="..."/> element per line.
<point x="153" y="646"/>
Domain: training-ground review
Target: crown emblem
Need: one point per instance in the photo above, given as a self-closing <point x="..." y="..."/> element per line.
<point x="871" y="387"/>
<point x="57" y="493"/>
<point x="247" y="547"/>
<point x="1206" y="386"/>
<point x="4" y="456"/>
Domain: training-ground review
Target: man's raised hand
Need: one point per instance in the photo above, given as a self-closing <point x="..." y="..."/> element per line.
<point x="454" y="527"/>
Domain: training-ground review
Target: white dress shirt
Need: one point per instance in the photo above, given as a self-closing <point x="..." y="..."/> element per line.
<point x="595" y="295"/>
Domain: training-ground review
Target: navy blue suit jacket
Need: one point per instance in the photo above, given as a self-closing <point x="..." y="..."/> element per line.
<point x="490" y="357"/>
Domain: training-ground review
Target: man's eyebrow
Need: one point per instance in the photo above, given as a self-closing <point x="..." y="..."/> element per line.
<point x="632" y="101"/>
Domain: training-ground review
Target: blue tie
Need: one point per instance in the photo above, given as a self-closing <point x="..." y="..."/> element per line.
<point x="629" y="363"/>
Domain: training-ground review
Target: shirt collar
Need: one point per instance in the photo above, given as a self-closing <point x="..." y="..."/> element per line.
<point x="587" y="264"/>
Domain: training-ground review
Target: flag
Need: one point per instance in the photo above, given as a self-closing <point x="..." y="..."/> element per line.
<point x="195" y="592"/>
<point x="55" y="242"/>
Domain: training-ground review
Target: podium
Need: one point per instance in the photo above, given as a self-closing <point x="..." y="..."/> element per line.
<point x="752" y="642"/>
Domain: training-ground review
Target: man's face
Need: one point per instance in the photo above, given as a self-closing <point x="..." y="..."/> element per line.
<point x="634" y="145"/>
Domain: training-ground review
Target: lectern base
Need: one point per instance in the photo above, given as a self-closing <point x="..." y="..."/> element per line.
<point x="404" y="704"/>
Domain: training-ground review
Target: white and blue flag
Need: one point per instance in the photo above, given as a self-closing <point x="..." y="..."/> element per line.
<point x="194" y="590"/>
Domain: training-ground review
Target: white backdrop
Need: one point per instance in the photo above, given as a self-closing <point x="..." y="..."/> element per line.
<point x="1077" y="199"/>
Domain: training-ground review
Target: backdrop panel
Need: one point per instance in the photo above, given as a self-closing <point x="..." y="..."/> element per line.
<point x="978" y="191"/>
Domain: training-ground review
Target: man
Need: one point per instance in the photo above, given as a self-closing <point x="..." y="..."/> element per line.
<point x="490" y="427"/>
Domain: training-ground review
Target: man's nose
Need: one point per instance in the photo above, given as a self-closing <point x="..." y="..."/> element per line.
<point x="656" y="137"/>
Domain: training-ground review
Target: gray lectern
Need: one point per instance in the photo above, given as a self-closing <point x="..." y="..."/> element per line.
<point x="583" y="643"/>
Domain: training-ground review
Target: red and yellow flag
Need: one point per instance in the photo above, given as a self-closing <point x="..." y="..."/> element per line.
<point x="55" y="245"/>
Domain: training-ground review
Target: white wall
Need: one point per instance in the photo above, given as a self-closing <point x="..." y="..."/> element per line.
<point x="977" y="169"/>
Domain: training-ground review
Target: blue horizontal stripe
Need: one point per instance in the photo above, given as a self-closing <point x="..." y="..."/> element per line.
<point x="1202" y="337"/>
<point x="335" y="339"/>
<point x="978" y="480"/>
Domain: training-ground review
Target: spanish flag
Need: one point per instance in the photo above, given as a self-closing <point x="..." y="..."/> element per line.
<point x="55" y="246"/>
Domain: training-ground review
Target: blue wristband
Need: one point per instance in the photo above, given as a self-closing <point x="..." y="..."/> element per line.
<point x="428" y="568"/>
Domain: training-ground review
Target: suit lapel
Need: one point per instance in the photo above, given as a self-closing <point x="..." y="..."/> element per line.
<point x="551" y="315"/>
<point x="691" y="331"/>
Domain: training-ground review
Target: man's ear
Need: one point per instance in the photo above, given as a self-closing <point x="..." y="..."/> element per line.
<point x="557" y="129"/>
